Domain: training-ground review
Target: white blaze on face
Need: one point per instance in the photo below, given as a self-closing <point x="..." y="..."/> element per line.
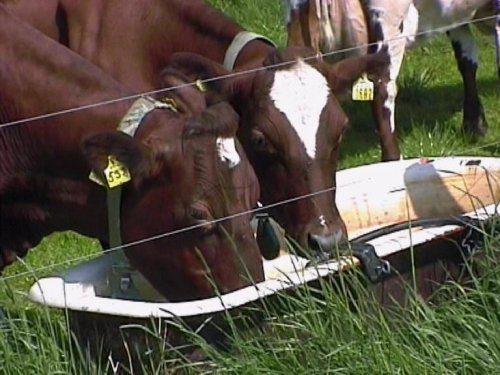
<point x="301" y="93"/>
<point x="322" y="220"/>
<point x="226" y="148"/>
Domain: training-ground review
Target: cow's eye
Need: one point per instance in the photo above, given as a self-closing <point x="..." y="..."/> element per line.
<point x="260" y="143"/>
<point x="200" y="216"/>
<point x="259" y="140"/>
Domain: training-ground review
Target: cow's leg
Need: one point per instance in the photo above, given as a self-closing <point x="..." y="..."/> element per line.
<point x="313" y="24"/>
<point x="296" y="21"/>
<point x="386" y="24"/>
<point x="383" y="108"/>
<point x="294" y="30"/>
<point x="466" y="55"/>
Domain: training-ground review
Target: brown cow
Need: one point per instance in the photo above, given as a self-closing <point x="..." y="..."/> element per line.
<point x="180" y="176"/>
<point x="133" y="40"/>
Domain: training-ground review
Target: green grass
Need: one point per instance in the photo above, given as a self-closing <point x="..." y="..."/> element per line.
<point x="319" y="335"/>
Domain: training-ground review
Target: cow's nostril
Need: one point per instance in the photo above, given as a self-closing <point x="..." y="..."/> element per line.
<point x="325" y="243"/>
<point x="312" y="242"/>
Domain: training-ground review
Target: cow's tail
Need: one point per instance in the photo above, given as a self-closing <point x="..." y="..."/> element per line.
<point x="496" y="4"/>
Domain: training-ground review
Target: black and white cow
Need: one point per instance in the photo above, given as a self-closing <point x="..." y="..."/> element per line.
<point x="330" y="25"/>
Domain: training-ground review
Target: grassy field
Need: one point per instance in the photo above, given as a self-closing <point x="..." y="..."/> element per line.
<point x="318" y="335"/>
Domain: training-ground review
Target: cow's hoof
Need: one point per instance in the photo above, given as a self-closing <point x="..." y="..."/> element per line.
<point x="390" y="149"/>
<point x="391" y="156"/>
<point x="476" y="129"/>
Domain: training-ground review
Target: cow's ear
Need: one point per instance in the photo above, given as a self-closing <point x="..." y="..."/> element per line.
<point x="219" y="120"/>
<point x="136" y="156"/>
<point x="280" y="58"/>
<point x="343" y="74"/>
<point x="232" y="84"/>
<point x="186" y="98"/>
<point x="196" y="67"/>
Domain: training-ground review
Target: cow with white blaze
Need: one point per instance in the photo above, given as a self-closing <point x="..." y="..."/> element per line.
<point x="293" y="148"/>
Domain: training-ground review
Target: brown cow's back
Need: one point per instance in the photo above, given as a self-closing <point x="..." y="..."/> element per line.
<point x="133" y="40"/>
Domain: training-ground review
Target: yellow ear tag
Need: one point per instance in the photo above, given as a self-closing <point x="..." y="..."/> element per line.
<point x="116" y="173"/>
<point x="200" y="85"/>
<point x="362" y="90"/>
<point x="170" y="102"/>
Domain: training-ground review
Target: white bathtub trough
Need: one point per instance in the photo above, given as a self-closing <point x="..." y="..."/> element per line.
<point x="368" y="197"/>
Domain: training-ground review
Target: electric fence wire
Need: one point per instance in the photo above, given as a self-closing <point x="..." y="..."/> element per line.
<point x="235" y="74"/>
<point x="222" y="219"/>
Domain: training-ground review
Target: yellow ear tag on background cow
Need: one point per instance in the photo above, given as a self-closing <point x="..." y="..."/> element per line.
<point x="200" y="85"/>
<point x="170" y="102"/>
<point x="362" y="90"/>
<point x="116" y="173"/>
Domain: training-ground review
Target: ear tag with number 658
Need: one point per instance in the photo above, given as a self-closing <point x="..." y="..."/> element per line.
<point x="362" y="90"/>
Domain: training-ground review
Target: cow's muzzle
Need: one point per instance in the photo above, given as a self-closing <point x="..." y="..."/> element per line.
<point x="327" y="243"/>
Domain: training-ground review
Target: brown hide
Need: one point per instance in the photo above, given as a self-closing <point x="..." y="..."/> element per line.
<point x="133" y="41"/>
<point x="329" y="25"/>
<point x="179" y="177"/>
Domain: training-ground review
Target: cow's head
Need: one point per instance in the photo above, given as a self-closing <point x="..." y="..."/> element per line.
<point x="186" y="171"/>
<point x="291" y="126"/>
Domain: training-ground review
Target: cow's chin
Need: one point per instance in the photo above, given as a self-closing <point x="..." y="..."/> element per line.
<point x="314" y="241"/>
<point x="190" y="270"/>
<point x="235" y="263"/>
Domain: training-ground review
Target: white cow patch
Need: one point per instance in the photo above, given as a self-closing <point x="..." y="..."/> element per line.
<point x="226" y="149"/>
<point x="446" y="14"/>
<point x="295" y="3"/>
<point x="322" y="220"/>
<point x="290" y="5"/>
<point x="467" y="44"/>
<point x="301" y="93"/>
<point x="410" y="25"/>
<point x="390" y="102"/>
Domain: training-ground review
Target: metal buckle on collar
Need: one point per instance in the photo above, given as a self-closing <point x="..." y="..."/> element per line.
<point x="374" y="267"/>
<point x="121" y="280"/>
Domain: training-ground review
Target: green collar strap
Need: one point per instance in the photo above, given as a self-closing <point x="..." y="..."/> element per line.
<point x="124" y="277"/>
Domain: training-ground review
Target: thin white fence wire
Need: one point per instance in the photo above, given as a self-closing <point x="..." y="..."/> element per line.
<point x="168" y="234"/>
<point x="235" y="74"/>
<point x="219" y="220"/>
<point x="189" y="228"/>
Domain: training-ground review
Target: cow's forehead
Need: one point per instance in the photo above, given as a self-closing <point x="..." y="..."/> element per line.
<point x="227" y="152"/>
<point x="300" y="93"/>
